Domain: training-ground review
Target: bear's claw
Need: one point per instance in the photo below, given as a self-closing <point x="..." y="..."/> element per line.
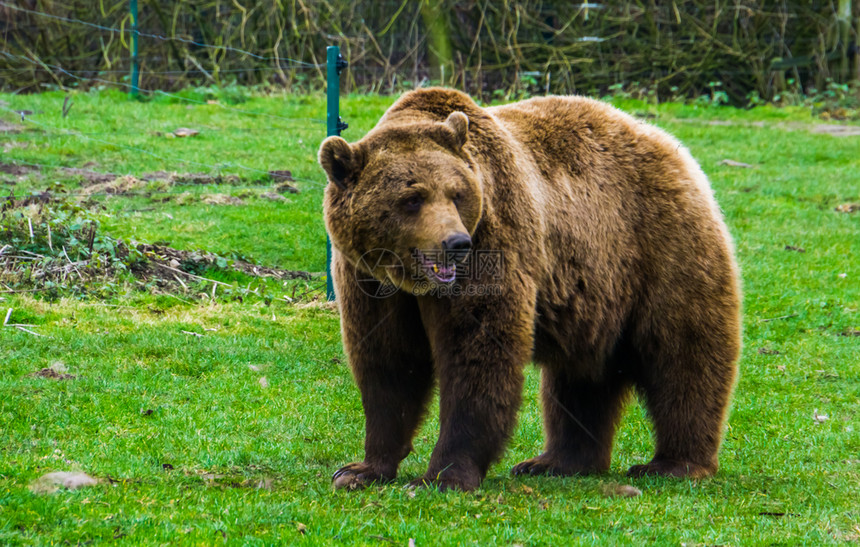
<point x="533" y="466"/>
<point x="355" y="476"/>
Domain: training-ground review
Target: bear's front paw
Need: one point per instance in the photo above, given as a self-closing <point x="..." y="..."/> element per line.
<point x="672" y="468"/>
<point x="357" y="475"/>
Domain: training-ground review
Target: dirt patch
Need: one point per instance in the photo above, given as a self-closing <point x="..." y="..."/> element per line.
<point x="39" y="198"/>
<point x="837" y="130"/>
<point x="52" y="374"/>
<point x="71" y="480"/>
<point x="203" y="178"/>
<point x="117" y="186"/>
<point x="6" y="127"/>
<point x="12" y="145"/>
<point x="221" y="199"/>
<point x="18" y="170"/>
<point x="88" y="175"/>
<point x="172" y="177"/>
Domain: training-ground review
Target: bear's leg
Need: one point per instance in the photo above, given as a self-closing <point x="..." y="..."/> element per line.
<point x="480" y="347"/>
<point x="580" y="417"/>
<point x="686" y="391"/>
<point x="391" y="363"/>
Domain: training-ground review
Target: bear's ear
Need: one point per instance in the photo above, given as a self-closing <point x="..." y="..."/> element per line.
<point x="458" y="125"/>
<point x="339" y="161"/>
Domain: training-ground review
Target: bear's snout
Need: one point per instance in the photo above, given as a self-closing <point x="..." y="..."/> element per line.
<point x="457" y="246"/>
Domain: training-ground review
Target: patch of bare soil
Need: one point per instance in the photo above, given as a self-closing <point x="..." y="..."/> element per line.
<point x="52" y="374"/>
<point x="88" y="175"/>
<point x="12" y="145"/>
<point x="116" y="185"/>
<point x="71" y="480"/>
<point x="837" y="130"/>
<point x="6" y="127"/>
<point x="17" y="170"/>
<point x="38" y="198"/>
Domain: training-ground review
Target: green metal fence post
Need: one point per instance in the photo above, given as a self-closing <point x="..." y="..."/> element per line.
<point x="334" y="125"/>
<point x="135" y="62"/>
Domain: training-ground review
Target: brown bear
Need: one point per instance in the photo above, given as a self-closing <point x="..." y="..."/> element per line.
<point x="611" y="269"/>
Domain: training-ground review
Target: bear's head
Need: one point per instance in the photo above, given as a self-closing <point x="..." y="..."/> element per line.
<point x="403" y="203"/>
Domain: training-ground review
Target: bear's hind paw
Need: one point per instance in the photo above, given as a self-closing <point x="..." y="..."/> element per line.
<point x="463" y="483"/>
<point x="672" y="468"/>
<point x="546" y="465"/>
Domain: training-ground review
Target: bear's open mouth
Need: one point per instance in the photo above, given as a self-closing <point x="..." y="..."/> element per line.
<point x="436" y="271"/>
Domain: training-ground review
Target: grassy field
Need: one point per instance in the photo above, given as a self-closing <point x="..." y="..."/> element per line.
<point x="220" y="420"/>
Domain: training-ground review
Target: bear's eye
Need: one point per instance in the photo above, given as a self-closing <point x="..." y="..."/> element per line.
<point x="413" y="204"/>
<point x="458" y="197"/>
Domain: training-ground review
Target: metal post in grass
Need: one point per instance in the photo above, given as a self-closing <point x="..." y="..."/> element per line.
<point x="135" y="62"/>
<point x="334" y="125"/>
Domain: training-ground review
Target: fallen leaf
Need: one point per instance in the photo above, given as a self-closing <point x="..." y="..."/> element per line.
<point x="72" y="480"/>
<point x="793" y="248"/>
<point x="848" y="208"/>
<point x="615" y="490"/>
<point x="255" y="368"/>
<point x="186" y="132"/>
<point x="263" y="382"/>
<point x="767" y="351"/>
<point x="301" y="528"/>
<point x="273" y="196"/>
<point x="819" y="418"/>
<point x="733" y="163"/>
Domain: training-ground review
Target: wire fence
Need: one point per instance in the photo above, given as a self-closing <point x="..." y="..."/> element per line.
<point x="83" y="79"/>
<point x="391" y="47"/>
<point x="489" y="48"/>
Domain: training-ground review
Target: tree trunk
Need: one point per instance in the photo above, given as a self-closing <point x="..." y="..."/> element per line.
<point x="843" y="19"/>
<point x="434" y="13"/>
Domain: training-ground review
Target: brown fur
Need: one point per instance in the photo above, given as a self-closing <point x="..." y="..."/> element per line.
<point x="618" y="274"/>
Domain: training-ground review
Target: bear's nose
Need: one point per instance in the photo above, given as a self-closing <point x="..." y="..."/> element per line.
<point x="457" y="246"/>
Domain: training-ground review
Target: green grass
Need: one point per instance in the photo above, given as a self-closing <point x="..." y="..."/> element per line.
<point x="146" y="394"/>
